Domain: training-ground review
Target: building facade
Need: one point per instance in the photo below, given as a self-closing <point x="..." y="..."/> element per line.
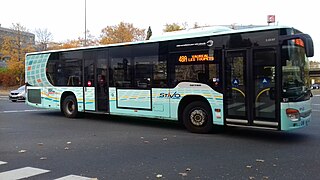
<point x="27" y="37"/>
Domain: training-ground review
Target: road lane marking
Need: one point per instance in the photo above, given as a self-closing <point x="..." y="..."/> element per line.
<point x="27" y="172"/>
<point x="10" y="111"/>
<point x="22" y="173"/>
<point x="2" y="162"/>
<point x="32" y="110"/>
<point x="316" y="110"/>
<point x="20" y="111"/>
<point x="74" y="177"/>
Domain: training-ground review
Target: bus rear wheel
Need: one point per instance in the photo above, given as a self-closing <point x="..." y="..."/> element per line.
<point x="70" y="107"/>
<point x="197" y="117"/>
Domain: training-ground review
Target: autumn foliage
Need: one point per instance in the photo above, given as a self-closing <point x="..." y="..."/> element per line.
<point x="7" y="78"/>
<point x="174" y="27"/>
<point x="14" y="47"/>
<point x="123" y="32"/>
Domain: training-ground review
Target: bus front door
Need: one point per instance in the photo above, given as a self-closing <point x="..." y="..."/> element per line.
<point x="250" y="88"/>
<point x="264" y="88"/>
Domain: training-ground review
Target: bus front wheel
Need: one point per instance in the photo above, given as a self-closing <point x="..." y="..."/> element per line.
<point x="70" y="107"/>
<point x="197" y="117"/>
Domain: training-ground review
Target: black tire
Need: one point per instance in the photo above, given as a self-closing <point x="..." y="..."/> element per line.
<point x="197" y="117"/>
<point x="70" y="107"/>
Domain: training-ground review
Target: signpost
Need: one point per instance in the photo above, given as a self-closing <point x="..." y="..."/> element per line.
<point x="271" y="19"/>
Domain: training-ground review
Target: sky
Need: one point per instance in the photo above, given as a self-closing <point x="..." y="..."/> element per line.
<point x="65" y="19"/>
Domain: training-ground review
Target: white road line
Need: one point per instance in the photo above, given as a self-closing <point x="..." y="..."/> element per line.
<point x="10" y="111"/>
<point x="20" y="111"/>
<point x="22" y="173"/>
<point x="2" y="162"/>
<point x="74" y="177"/>
<point x="316" y="110"/>
<point x="315" y="104"/>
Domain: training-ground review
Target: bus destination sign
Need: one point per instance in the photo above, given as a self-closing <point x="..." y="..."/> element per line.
<point x="196" y="58"/>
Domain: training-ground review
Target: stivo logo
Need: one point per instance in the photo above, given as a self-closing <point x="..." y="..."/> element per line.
<point x="175" y="95"/>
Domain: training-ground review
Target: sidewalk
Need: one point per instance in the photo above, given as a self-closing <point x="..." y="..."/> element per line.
<point x="4" y="91"/>
<point x="316" y="92"/>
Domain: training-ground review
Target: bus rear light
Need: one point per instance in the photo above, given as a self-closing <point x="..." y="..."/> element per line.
<point x="293" y="114"/>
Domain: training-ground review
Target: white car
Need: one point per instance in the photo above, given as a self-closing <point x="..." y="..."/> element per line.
<point x="315" y="86"/>
<point x="18" y="94"/>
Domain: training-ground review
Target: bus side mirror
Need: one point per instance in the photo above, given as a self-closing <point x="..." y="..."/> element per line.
<point x="308" y="45"/>
<point x="307" y="42"/>
<point x="272" y="93"/>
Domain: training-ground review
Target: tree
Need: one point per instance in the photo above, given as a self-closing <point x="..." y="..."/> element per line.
<point x="66" y="45"/>
<point x="123" y="32"/>
<point x="149" y="33"/>
<point x="89" y="41"/>
<point x="314" y="64"/>
<point x="80" y="42"/>
<point x="15" y="47"/>
<point x="174" y="27"/>
<point x="196" y="25"/>
<point x="43" y="38"/>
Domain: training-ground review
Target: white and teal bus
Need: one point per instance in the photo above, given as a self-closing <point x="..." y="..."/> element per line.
<point x="257" y="77"/>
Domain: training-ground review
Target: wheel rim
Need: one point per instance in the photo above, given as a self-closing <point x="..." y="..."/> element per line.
<point x="198" y="117"/>
<point x="70" y="107"/>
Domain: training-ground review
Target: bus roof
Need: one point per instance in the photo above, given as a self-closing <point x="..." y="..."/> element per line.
<point x="176" y="35"/>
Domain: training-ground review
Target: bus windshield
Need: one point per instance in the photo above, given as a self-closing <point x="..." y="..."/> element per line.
<point x="295" y="69"/>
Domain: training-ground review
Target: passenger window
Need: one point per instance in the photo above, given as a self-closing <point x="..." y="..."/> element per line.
<point x="64" y="69"/>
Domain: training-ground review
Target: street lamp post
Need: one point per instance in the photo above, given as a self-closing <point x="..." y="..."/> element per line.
<point x="85" y="22"/>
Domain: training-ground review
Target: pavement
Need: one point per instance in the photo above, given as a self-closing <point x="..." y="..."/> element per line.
<point x="316" y="92"/>
<point x="5" y="91"/>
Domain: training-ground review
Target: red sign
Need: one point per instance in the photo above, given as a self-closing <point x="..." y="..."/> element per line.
<point x="271" y="18"/>
<point x="89" y="83"/>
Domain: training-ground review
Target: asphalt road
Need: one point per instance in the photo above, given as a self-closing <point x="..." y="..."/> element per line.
<point x="106" y="147"/>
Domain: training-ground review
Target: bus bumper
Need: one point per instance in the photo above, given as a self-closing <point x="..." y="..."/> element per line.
<point x="304" y="119"/>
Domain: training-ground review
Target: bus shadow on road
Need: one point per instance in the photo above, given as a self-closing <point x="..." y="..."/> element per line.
<point x="134" y="121"/>
<point x="282" y="137"/>
<point x="232" y="132"/>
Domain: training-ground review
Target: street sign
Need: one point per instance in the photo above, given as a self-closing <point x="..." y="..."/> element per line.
<point x="271" y="19"/>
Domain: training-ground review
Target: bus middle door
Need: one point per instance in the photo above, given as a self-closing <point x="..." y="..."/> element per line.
<point x="235" y="88"/>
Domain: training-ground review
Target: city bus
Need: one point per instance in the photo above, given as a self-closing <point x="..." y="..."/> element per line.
<point x="256" y="77"/>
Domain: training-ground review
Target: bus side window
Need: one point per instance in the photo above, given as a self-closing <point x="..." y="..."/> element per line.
<point x="202" y="78"/>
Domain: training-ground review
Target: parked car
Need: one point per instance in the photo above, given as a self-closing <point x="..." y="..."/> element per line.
<point x="315" y="86"/>
<point x="18" y="94"/>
